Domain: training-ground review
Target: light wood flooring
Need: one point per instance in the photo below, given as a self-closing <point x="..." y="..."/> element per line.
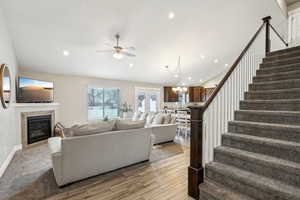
<point x="162" y="180"/>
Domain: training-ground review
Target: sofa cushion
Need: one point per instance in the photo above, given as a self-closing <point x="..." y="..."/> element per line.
<point x="136" y="116"/>
<point x="127" y="124"/>
<point x="149" y="119"/>
<point x="158" y="119"/>
<point x="90" y="128"/>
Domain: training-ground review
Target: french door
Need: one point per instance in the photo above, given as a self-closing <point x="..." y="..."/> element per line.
<point x="147" y="99"/>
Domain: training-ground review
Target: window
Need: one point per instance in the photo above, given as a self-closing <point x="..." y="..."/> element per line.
<point x="103" y="102"/>
<point x="147" y="99"/>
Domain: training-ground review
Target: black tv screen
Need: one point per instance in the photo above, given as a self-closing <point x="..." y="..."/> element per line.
<point x="34" y="91"/>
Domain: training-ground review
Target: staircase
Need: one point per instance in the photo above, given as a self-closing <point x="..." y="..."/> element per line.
<point x="259" y="158"/>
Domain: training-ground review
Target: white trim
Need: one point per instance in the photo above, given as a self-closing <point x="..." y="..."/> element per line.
<point x="9" y="159"/>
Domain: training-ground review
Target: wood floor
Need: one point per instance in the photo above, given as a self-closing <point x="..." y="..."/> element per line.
<point x="161" y="180"/>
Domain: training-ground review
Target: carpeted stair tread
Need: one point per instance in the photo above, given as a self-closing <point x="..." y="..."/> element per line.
<point x="268" y="116"/>
<point x="293" y="93"/>
<point x="283" y="56"/>
<point x="287" y="150"/>
<point x="261" y="157"/>
<point x="280" y="62"/>
<point x="278" y="69"/>
<point x="277" y="76"/>
<point x="269" y="166"/>
<point x="259" y="187"/>
<point x="271" y="85"/>
<point x="284" y="51"/>
<point x="210" y="190"/>
<point x="262" y="140"/>
<point x="269" y="125"/>
<point x="276" y="104"/>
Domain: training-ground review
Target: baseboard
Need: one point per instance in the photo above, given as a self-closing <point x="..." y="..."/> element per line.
<point x="9" y="158"/>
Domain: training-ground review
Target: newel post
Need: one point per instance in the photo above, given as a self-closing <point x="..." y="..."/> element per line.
<point x="268" y="40"/>
<point x="196" y="170"/>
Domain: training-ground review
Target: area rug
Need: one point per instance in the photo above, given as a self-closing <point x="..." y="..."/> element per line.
<point x="30" y="175"/>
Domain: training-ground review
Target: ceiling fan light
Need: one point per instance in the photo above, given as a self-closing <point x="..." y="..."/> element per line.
<point x="118" y="56"/>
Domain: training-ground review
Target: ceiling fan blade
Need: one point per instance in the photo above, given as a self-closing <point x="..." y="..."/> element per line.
<point x="104" y="51"/>
<point x="128" y="54"/>
<point x="130" y="48"/>
<point x="108" y="44"/>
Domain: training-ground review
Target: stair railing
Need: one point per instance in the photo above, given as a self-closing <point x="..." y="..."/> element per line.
<point x="209" y="121"/>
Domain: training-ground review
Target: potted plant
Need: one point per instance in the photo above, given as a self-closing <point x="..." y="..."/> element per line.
<point x="125" y="108"/>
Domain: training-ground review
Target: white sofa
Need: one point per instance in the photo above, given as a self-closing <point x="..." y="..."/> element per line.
<point x="80" y="157"/>
<point x="164" y="133"/>
<point x="163" y="125"/>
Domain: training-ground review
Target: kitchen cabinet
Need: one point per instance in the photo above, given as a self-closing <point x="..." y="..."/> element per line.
<point x="170" y="95"/>
<point x="196" y="94"/>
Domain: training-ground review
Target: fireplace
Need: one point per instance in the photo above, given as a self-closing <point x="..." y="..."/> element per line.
<point x="38" y="128"/>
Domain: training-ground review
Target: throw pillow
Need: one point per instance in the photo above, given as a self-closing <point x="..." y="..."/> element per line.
<point x="173" y="119"/>
<point x="158" y="119"/>
<point x="143" y="116"/>
<point x="149" y="119"/>
<point x="127" y="124"/>
<point x="167" y="119"/>
<point x="136" y="116"/>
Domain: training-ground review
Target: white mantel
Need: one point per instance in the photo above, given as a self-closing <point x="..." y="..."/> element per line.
<point x="29" y="108"/>
<point x="35" y="105"/>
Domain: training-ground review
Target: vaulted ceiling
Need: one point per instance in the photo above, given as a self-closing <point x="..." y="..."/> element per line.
<point x="200" y="32"/>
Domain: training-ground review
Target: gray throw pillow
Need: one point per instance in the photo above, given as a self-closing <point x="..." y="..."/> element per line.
<point x="136" y="116"/>
<point x="158" y="119"/>
<point x="167" y="119"/>
<point x="143" y="116"/>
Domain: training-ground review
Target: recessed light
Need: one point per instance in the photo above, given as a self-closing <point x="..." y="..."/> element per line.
<point x="183" y="84"/>
<point x="176" y="76"/>
<point x="131" y="65"/>
<point x="190" y="78"/>
<point x="226" y="65"/>
<point x="216" y="61"/>
<point x="202" y="56"/>
<point x="171" y="15"/>
<point x="66" y="53"/>
<point x="200" y="80"/>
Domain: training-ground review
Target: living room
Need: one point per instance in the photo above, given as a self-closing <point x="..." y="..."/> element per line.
<point x="114" y="100"/>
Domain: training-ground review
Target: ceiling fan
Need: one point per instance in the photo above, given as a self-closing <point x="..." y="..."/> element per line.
<point x="118" y="51"/>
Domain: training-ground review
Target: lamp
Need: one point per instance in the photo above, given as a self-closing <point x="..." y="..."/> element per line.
<point x="180" y="89"/>
<point x="118" y="56"/>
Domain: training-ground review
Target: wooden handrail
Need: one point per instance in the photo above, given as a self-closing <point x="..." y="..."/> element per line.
<point x="285" y="43"/>
<point x="233" y="67"/>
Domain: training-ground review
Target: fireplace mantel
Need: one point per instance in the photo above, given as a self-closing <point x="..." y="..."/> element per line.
<point x="26" y="109"/>
<point x="21" y="105"/>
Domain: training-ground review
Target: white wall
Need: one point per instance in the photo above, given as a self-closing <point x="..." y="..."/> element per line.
<point x="71" y="92"/>
<point x="214" y="80"/>
<point x="7" y="125"/>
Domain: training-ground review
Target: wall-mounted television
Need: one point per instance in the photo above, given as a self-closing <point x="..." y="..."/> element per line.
<point x="34" y="91"/>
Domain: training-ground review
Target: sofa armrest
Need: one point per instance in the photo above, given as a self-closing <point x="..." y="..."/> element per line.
<point x="54" y="144"/>
<point x="164" y="132"/>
